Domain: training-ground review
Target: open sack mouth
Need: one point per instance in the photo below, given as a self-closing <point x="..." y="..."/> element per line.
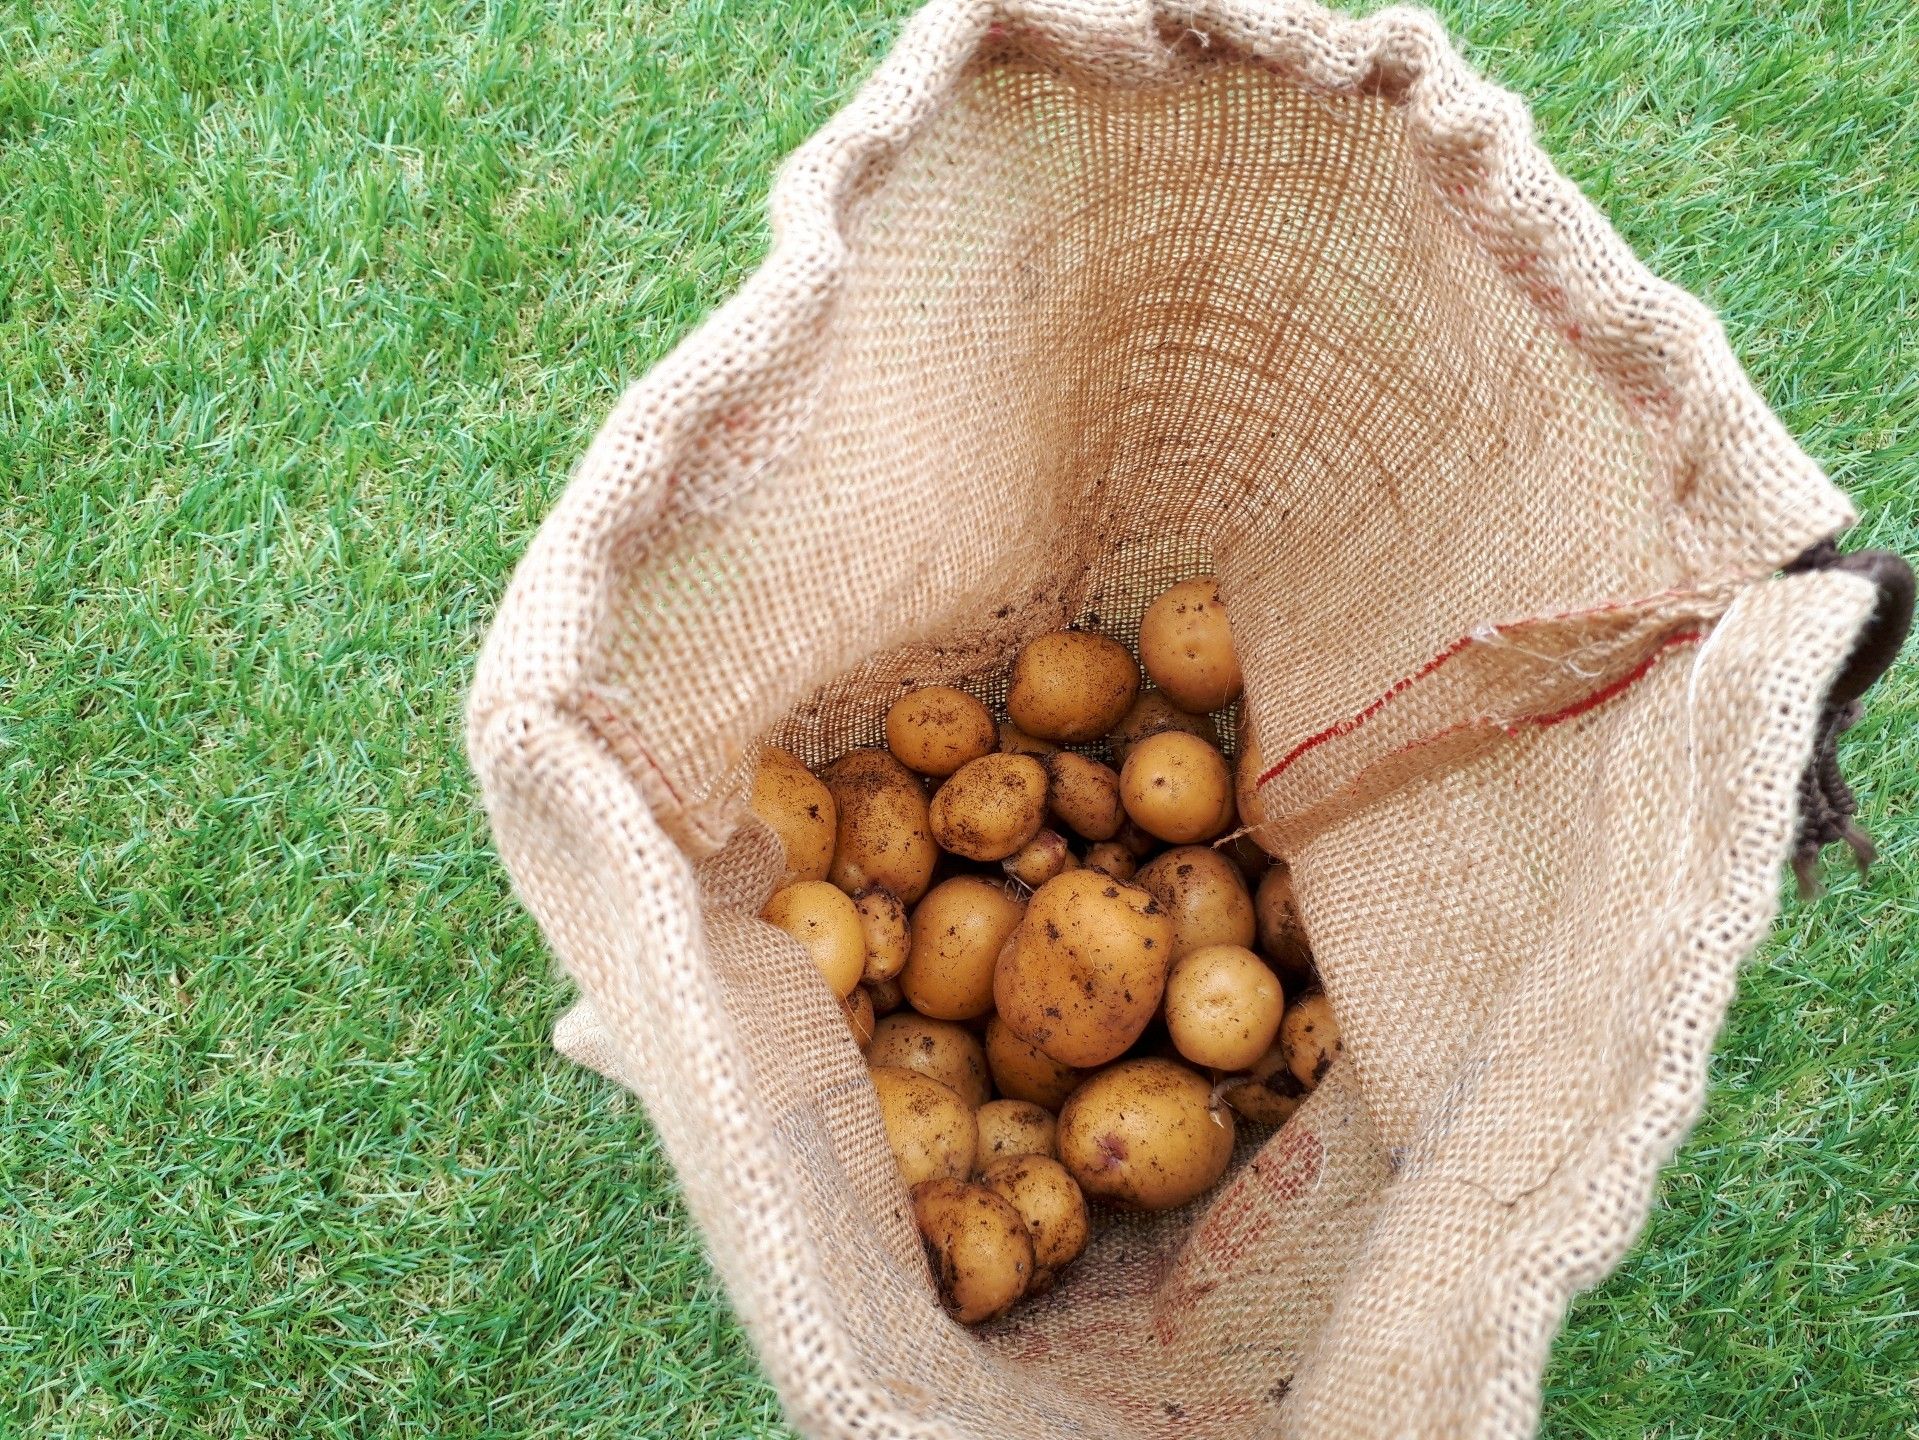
<point x="1066" y="307"/>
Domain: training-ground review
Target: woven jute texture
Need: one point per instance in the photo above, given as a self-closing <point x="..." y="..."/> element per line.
<point x="1073" y="300"/>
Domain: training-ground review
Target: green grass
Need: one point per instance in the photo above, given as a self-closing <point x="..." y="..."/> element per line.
<point x="305" y="310"/>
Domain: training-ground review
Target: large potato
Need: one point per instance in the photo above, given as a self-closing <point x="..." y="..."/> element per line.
<point x="1071" y="686"/>
<point x="1187" y="647"/>
<point x="1310" y="1037"/>
<point x="1052" y="1206"/>
<point x="1282" y="934"/>
<point x="1013" y="1127"/>
<point x="1203" y="894"/>
<point x="937" y="729"/>
<point x="939" y="1049"/>
<point x="1145" y="1134"/>
<point x="883" y="924"/>
<point x="1084" y="974"/>
<point x="1223" y="1006"/>
<point x="957" y="933"/>
<point x="1083" y="795"/>
<point x="1023" y="1071"/>
<point x="827" y="926"/>
<point x="1177" y="787"/>
<point x="798" y="807"/>
<point x="930" y="1129"/>
<point x="1152" y="713"/>
<point x="977" y="1246"/>
<point x="990" y="807"/>
<point x="884" y="837"/>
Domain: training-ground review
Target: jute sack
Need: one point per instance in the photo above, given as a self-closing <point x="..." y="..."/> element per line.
<point x="1075" y="299"/>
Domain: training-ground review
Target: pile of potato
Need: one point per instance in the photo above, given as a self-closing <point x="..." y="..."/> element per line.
<point x="1099" y="946"/>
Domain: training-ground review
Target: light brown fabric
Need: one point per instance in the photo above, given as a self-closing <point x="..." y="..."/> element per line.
<point x="1071" y="301"/>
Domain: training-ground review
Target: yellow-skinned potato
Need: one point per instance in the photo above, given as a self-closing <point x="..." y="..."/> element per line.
<point x="1223" y="1006"/>
<point x="1146" y="1135"/>
<point x="1267" y="1093"/>
<point x="1187" y="648"/>
<point x="1177" y="787"/>
<point x="798" y="807"/>
<point x="1282" y="934"/>
<point x="1246" y="792"/>
<point x="827" y="926"/>
<point x="957" y="933"/>
<point x="1071" y="686"/>
<point x="1310" y="1037"/>
<point x="1049" y="1201"/>
<point x="1084" y="974"/>
<point x="931" y="1130"/>
<point x="883" y="924"/>
<point x="990" y="807"/>
<point x="977" y="1246"/>
<point x="1023" y="1071"/>
<point x="938" y="1049"/>
<point x="859" y="1016"/>
<point x="884" y="837"/>
<point x="1109" y="857"/>
<point x="1013" y="1127"/>
<point x="1152" y="713"/>
<point x="887" y="995"/>
<point x="937" y="729"/>
<point x="1203" y="894"/>
<point x="1040" y="859"/>
<point x="1083" y="795"/>
<point x="1015" y="741"/>
<point x="1135" y="841"/>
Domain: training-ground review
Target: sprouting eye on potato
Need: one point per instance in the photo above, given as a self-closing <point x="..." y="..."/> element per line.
<point x="990" y="807"/>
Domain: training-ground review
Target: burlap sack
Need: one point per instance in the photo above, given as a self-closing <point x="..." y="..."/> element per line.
<point x="1075" y="299"/>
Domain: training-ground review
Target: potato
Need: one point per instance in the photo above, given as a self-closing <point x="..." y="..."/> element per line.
<point x="1282" y="934"/>
<point x="1187" y="647"/>
<point x="990" y="807"/>
<point x="859" y="1016"/>
<point x="1013" y="1127"/>
<point x="1109" y="857"/>
<point x="938" y="1049"/>
<point x="930" y="1129"/>
<point x="957" y="933"/>
<point x="1152" y="713"/>
<point x="1310" y="1037"/>
<point x="1267" y="1093"/>
<point x="827" y="926"/>
<point x="1223" y="1006"/>
<point x="1071" y="686"/>
<point x="883" y="837"/>
<point x="1023" y="1071"/>
<point x="1052" y="1206"/>
<point x="1015" y="741"/>
<point x="1204" y="895"/>
<point x="1145" y="1134"/>
<point x="937" y="729"/>
<point x="1251" y="764"/>
<point x="1083" y="795"/>
<point x="883" y="931"/>
<point x="1085" y="972"/>
<point x="799" y="809"/>
<point x="1040" y="859"/>
<point x="1134" y="840"/>
<point x="1177" y="787"/>
<point x="977" y="1245"/>
<point x="887" y="995"/>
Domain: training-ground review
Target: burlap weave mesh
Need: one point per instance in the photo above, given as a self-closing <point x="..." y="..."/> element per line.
<point x="1073" y="300"/>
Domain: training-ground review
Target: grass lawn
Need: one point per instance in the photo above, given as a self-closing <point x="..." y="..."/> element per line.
<point x="305" y="311"/>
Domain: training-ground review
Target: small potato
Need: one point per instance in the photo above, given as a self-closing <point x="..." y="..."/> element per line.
<point x="1282" y="934"/>
<point x="1052" y="1206"/>
<point x="938" y="1049"/>
<point x="883" y="837"/>
<point x="887" y="995"/>
<point x="1310" y="1037"/>
<point x="859" y="1016"/>
<point x="1083" y="795"/>
<point x="1268" y="1093"/>
<point x="930" y="1129"/>
<point x="1085" y="973"/>
<point x="1187" y="647"/>
<point x="1145" y="1134"/>
<point x="937" y="729"/>
<point x="825" y="923"/>
<point x="1177" y="787"/>
<point x="1152" y="713"/>
<point x="990" y="807"/>
<point x="1246" y="791"/>
<point x="1013" y="1127"/>
<point x="1203" y="893"/>
<point x="798" y="807"/>
<point x="1023" y="1071"/>
<point x="1223" y="1006"/>
<point x="1015" y="741"/>
<point x="957" y="933"/>
<point x="1071" y="686"/>
<point x="1109" y="857"/>
<point x="883" y="925"/>
<point x="1040" y="859"/>
<point x="977" y="1246"/>
<point x="1135" y="841"/>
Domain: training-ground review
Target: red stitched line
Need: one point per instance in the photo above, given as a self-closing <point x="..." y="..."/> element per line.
<point x="1606" y="692"/>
